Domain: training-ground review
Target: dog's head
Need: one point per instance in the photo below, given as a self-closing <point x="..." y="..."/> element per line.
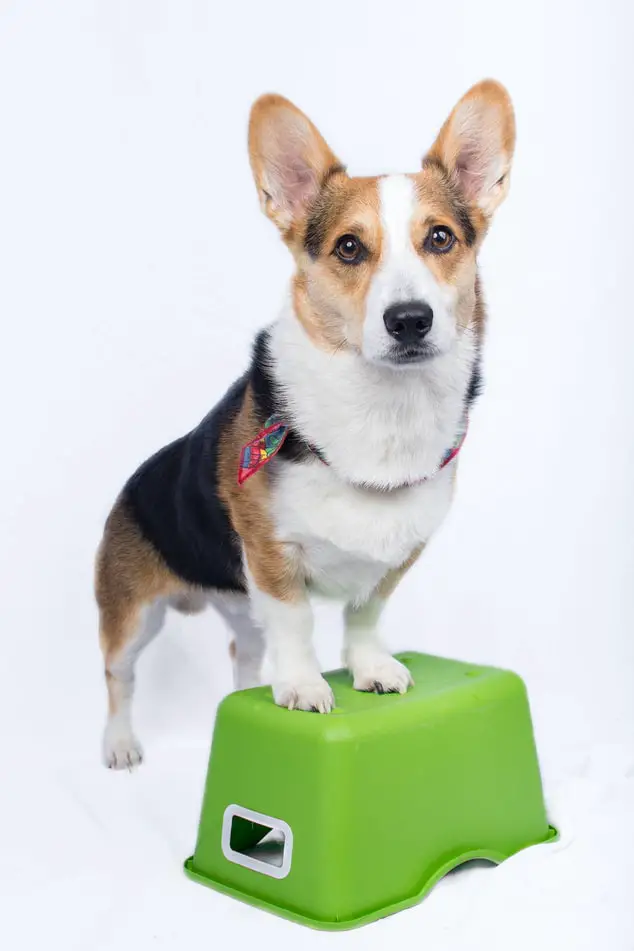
<point x="386" y="266"/>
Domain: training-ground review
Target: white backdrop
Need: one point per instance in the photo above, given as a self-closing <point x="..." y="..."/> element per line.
<point x="134" y="269"/>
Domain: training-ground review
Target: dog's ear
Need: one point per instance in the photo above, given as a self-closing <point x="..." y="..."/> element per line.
<point x="289" y="158"/>
<point x="476" y="144"/>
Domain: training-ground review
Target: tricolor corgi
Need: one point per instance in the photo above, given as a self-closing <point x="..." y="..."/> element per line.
<point x="329" y="465"/>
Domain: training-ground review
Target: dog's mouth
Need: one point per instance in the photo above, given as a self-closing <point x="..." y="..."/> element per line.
<point x="410" y="356"/>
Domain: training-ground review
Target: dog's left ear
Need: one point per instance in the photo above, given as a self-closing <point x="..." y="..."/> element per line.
<point x="289" y="158"/>
<point x="476" y="144"/>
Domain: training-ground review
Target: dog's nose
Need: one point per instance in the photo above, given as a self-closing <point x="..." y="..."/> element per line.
<point x="408" y="322"/>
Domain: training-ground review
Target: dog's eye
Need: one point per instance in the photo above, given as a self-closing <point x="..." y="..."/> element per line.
<point x="349" y="249"/>
<point x="440" y="239"/>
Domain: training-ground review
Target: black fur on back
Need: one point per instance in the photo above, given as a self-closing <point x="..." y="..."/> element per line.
<point x="173" y="498"/>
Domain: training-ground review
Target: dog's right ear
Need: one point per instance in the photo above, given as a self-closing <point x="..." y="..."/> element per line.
<point x="289" y="158"/>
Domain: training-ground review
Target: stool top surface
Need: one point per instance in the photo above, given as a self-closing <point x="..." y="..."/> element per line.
<point x="440" y="684"/>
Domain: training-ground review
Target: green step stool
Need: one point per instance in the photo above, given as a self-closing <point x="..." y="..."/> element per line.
<point x="337" y="820"/>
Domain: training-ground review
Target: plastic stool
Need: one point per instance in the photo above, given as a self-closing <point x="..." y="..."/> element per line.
<point x="337" y="820"/>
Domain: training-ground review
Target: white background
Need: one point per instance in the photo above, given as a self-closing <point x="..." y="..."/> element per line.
<point x="134" y="269"/>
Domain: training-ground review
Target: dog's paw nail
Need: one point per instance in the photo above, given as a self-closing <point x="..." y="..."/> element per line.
<point x="314" y="696"/>
<point x="122" y="751"/>
<point x="382" y="674"/>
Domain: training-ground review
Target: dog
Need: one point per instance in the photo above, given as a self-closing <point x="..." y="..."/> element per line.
<point x="329" y="465"/>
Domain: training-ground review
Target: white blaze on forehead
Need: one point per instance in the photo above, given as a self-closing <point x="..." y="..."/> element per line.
<point x="406" y="277"/>
<point x="397" y="197"/>
<point x="402" y="274"/>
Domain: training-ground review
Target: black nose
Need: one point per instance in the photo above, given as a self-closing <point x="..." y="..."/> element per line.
<point x="409" y="322"/>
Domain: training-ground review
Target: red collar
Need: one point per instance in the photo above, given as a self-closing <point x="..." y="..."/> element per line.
<point x="270" y="440"/>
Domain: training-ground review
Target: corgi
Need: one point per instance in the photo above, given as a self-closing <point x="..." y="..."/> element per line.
<point x="330" y="464"/>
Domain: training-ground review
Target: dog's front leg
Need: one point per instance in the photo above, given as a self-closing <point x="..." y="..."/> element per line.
<point x="372" y="666"/>
<point x="288" y="632"/>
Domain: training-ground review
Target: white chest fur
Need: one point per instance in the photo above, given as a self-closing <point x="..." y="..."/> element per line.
<point x="375" y="425"/>
<point x="349" y="537"/>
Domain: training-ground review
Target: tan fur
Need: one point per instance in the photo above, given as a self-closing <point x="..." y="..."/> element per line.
<point x="324" y="329"/>
<point x="129" y="574"/>
<point x="479" y="309"/>
<point x="329" y="298"/>
<point x="436" y="208"/>
<point x="347" y="206"/>
<point x="389" y="582"/>
<point x="269" y="561"/>
<point x="458" y="268"/>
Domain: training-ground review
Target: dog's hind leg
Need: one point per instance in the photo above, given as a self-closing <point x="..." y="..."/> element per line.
<point x="135" y="630"/>
<point x="133" y="587"/>
<point x="247" y="646"/>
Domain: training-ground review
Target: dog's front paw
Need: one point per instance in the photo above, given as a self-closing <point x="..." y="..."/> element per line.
<point x="378" y="672"/>
<point x="312" y="695"/>
<point x="121" y="749"/>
